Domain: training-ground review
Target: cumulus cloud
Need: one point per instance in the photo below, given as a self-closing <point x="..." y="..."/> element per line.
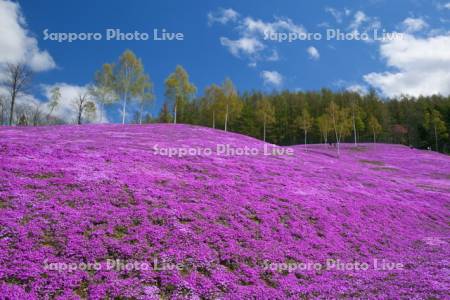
<point x="358" y="19"/>
<point x="357" y="88"/>
<point x="272" y="78"/>
<point x="313" y="53"/>
<point x="422" y="66"/>
<point x="411" y="25"/>
<point x="245" y="45"/>
<point x="66" y="109"/>
<point x="16" y="43"/>
<point x="361" y="23"/>
<point x="222" y="16"/>
<point x="251" y="26"/>
<point x="338" y="15"/>
<point x="251" y="43"/>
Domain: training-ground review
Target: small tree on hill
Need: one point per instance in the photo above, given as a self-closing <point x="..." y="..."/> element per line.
<point x="16" y="81"/>
<point x="305" y="122"/>
<point x="341" y="122"/>
<point x="433" y="122"/>
<point x="179" y="90"/>
<point x="103" y="89"/>
<point x="84" y="107"/>
<point x="231" y="101"/>
<point x="213" y="99"/>
<point x="357" y="120"/>
<point x="324" y="124"/>
<point x="127" y="78"/>
<point x="145" y="95"/>
<point x="265" y="114"/>
<point x="374" y="126"/>
<point x="55" y="96"/>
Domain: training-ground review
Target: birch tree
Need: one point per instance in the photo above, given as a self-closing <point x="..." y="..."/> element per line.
<point x="265" y="114"/>
<point x="374" y="126"/>
<point x="324" y="124"/>
<point x="231" y="101"/>
<point x="179" y="90"/>
<point x="145" y="96"/>
<point x="357" y="122"/>
<point x="55" y="96"/>
<point x="304" y="121"/>
<point x="103" y="89"/>
<point x="127" y="79"/>
<point x="340" y="120"/>
<point x="213" y="99"/>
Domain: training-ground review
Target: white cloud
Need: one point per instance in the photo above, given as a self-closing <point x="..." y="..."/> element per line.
<point x="357" y="88"/>
<point x="272" y="78"/>
<point x="274" y="56"/>
<point x="313" y="53"/>
<point x="335" y="13"/>
<point x="447" y="6"/>
<point x="362" y="22"/>
<point x="251" y="26"/>
<point x="413" y="24"/>
<point x="338" y="15"/>
<point x="250" y="43"/>
<point x="222" y="16"/>
<point x="422" y="66"/>
<point x="243" y="45"/>
<point x="16" y="44"/>
<point x="66" y="108"/>
<point x="358" y="19"/>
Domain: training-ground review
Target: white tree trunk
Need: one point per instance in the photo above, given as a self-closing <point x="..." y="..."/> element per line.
<point x="124" y="108"/>
<point x="264" y="130"/>
<point x="226" y="119"/>
<point x="101" y="112"/>
<point x="306" y="133"/>
<point x="354" y="126"/>
<point x="175" y="114"/>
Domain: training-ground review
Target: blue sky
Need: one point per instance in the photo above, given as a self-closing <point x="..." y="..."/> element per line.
<point x="225" y="39"/>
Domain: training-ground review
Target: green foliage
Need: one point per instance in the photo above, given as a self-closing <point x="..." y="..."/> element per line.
<point x="324" y="125"/>
<point x="55" y="96"/>
<point x="164" y="115"/>
<point x="230" y="104"/>
<point x="433" y="122"/>
<point x="375" y="126"/>
<point x="179" y="90"/>
<point x="128" y="78"/>
<point x="304" y="121"/>
<point x="103" y="88"/>
<point x="145" y="95"/>
<point x="265" y="114"/>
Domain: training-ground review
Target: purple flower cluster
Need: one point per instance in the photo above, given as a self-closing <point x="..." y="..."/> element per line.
<point x="79" y="195"/>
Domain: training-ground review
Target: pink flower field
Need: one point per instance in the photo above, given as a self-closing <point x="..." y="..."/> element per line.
<point x="94" y="212"/>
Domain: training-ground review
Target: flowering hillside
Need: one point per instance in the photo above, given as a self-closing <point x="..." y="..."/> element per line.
<point x="122" y="212"/>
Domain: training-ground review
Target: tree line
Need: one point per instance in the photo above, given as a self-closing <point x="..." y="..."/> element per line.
<point x="283" y="118"/>
<point x="325" y="116"/>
